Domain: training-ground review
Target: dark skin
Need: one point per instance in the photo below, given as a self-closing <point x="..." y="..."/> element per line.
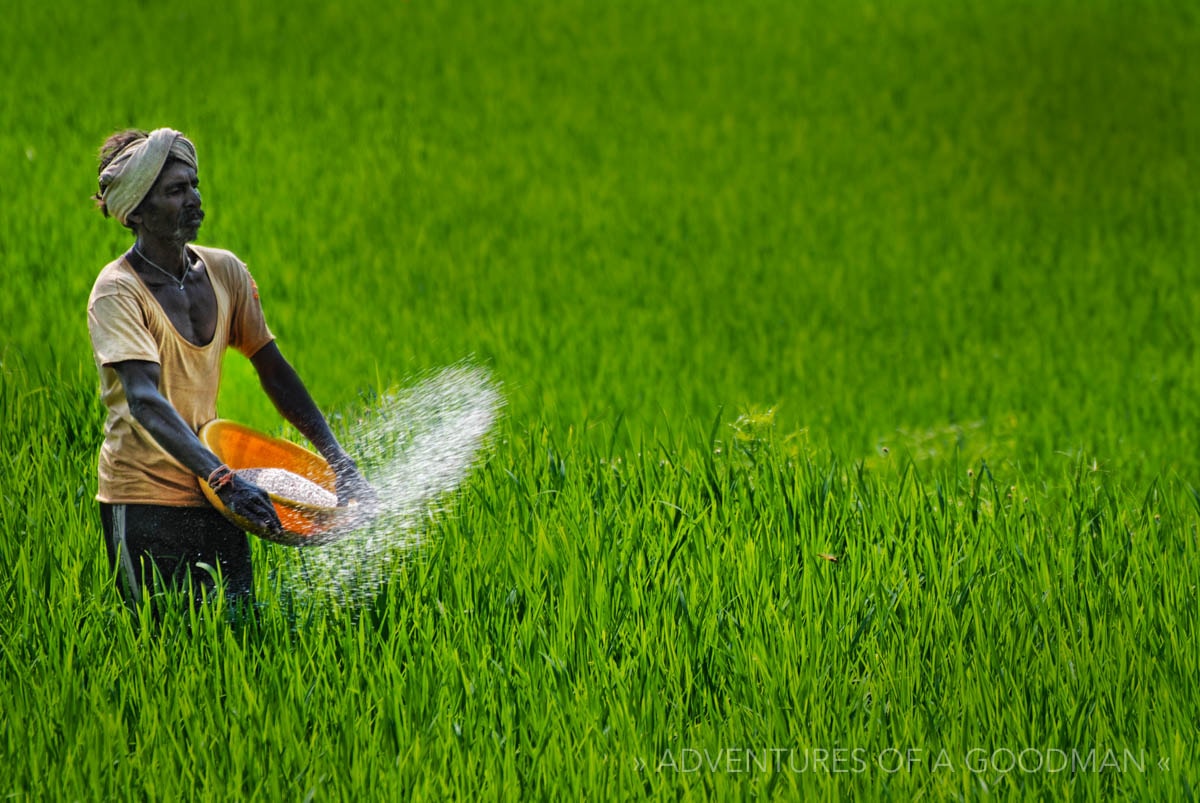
<point x="165" y="222"/>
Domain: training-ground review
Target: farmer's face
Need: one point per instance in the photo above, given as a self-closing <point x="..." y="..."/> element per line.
<point x="171" y="210"/>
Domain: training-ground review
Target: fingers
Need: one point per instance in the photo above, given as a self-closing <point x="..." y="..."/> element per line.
<point x="353" y="488"/>
<point x="261" y="510"/>
<point x="264" y="513"/>
<point x="252" y="503"/>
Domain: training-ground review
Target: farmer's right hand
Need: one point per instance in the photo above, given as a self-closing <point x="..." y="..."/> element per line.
<point x="252" y="503"/>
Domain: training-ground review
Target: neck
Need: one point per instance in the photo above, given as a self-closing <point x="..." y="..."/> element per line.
<point x="171" y="256"/>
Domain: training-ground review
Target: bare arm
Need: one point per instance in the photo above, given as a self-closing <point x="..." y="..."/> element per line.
<point x="291" y="398"/>
<point x="152" y="410"/>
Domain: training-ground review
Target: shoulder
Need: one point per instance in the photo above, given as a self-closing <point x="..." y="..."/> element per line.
<point x="225" y="265"/>
<point x="116" y="279"/>
<point x="218" y="259"/>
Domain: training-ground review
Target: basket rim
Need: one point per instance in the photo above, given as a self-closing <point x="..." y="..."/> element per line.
<point x="208" y="437"/>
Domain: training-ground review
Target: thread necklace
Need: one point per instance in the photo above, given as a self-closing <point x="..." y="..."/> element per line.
<point x="177" y="279"/>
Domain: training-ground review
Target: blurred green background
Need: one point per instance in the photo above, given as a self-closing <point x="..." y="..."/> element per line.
<point x="885" y="221"/>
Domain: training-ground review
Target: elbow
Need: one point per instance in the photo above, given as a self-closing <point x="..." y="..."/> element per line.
<point x="138" y="406"/>
<point x="144" y="409"/>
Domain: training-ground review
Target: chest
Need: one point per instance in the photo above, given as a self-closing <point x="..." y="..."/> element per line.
<point x="192" y="311"/>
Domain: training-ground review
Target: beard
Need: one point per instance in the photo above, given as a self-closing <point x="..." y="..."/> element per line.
<point x="189" y="226"/>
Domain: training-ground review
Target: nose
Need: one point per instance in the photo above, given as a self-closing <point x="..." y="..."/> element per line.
<point x="193" y="197"/>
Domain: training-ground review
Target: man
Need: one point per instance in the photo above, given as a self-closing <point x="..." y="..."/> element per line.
<point x="160" y="319"/>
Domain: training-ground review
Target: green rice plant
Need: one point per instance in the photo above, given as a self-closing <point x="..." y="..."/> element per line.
<point x="848" y="359"/>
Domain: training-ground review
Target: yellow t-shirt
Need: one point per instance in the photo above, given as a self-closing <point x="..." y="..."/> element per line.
<point x="127" y="323"/>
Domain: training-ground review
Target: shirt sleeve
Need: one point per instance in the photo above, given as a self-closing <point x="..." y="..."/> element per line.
<point x="118" y="330"/>
<point x="248" y="331"/>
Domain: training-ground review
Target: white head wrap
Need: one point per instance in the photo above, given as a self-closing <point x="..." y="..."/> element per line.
<point x="127" y="179"/>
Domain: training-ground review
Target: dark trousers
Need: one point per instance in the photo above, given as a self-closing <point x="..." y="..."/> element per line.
<point x="181" y="549"/>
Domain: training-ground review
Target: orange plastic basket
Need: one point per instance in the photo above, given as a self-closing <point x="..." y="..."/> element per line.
<point x="240" y="447"/>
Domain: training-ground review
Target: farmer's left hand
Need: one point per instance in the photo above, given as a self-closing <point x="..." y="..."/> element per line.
<point x="350" y="484"/>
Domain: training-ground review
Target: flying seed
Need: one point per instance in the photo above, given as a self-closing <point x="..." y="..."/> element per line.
<point x="417" y="446"/>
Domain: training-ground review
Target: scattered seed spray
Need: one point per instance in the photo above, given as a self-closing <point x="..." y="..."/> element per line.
<point x="415" y="447"/>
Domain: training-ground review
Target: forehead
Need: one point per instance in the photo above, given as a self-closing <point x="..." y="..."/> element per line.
<point x="174" y="171"/>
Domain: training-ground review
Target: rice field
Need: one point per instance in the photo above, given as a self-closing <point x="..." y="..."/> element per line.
<point x="848" y="356"/>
